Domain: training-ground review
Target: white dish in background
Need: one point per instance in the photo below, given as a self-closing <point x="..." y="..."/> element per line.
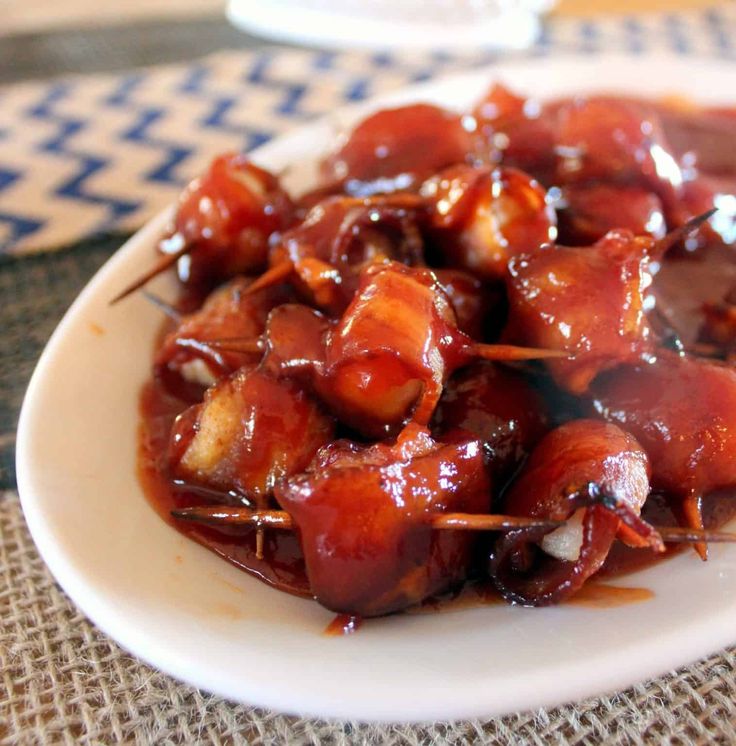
<point x="189" y="613"/>
<point x="459" y="26"/>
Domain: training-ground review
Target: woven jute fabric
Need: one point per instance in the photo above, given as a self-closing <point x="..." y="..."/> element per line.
<point x="65" y="682"/>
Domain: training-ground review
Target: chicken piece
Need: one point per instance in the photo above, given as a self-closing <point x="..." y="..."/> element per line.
<point x="363" y="517"/>
<point x="588" y="302"/>
<point x="482" y="217"/>
<point x="590" y="472"/>
<point x="251" y="431"/>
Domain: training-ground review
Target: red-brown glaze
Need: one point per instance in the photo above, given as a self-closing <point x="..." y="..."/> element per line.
<point x="226" y="217"/>
<point x="282" y="565"/>
<point x="719" y="328"/>
<point x="587" y="301"/>
<point x="594" y="594"/>
<point x="363" y="518"/>
<point x="251" y="431"/>
<point x="683" y="412"/>
<point x="395" y="149"/>
<point x="343" y="624"/>
<point x="619" y="143"/>
<point x="597" y="595"/>
<point x="569" y="458"/>
<point x="227" y="313"/>
<point x="499" y="406"/>
<point x="482" y="217"/>
<point x="590" y="211"/>
<point x="295" y="342"/>
<point x="718" y="508"/>
<point x="602" y="138"/>
<point x="582" y="140"/>
<point x="391" y="351"/>
<point x="471" y="300"/>
<point x="518" y="132"/>
<point x="378" y="343"/>
<point x="340" y="236"/>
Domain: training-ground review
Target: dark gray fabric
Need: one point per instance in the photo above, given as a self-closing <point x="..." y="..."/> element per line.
<point x="40" y="55"/>
<point x="35" y="292"/>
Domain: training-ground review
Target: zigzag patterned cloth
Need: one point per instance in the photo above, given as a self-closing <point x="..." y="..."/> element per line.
<point x="85" y="155"/>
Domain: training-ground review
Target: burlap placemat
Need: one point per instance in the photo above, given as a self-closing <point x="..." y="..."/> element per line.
<point x="63" y="681"/>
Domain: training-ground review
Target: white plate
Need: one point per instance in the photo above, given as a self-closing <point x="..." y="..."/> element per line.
<point x="189" y="613"/>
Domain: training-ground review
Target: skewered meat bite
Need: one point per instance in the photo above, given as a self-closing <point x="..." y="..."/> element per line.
<point x="588" y="302"/>
<point x="518" y="132"/>
<point x="324" y="255"/>
<point x="683" y="412"/>
<point x="582" y="140"/>
<point x="590" y="474"/>
<point x="390" y="354"/>
<point x="500" y="407"/>
<point x="341" y="236"/>
<point x="251" y="431"/>
<point x="224" y="220"/>
<point x="396" y="149"/>
<point x="702" y="194"/>
<point x="187" y="364"/>
<point x="587" y="212"/>
<point x="363" y="517"/>
<point x="222" y="225"/>
<point x="602" y="138"/>
<point x="482" y="217"/>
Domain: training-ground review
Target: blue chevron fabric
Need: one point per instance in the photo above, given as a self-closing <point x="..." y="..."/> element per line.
<point x="83" y="155"/>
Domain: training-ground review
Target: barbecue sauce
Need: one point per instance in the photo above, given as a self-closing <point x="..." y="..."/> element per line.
<point x="688" y="278"/>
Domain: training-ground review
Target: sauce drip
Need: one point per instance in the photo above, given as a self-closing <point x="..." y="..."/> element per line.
<point x="603" y="596"/>
<point x="343" y="624"/>
<point x="470" y="596"/>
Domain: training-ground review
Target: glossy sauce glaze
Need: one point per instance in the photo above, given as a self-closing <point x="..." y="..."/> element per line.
<point x="361" y="386"/>
<point x="283" y="563"/>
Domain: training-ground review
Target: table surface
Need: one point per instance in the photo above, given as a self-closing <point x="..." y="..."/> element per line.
<point x="64" y="681"/>
<point x="39" y="38"/>
<point x="34" y="15"/>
